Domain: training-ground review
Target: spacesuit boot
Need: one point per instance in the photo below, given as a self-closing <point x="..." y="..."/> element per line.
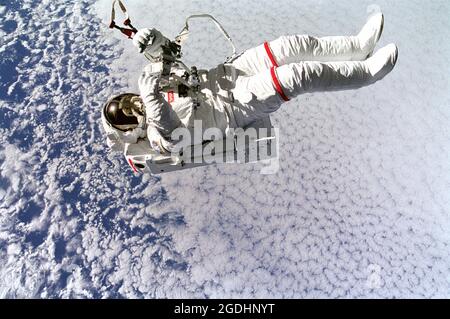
<point x="371" y="32"/>
<point x="382" y="62"/>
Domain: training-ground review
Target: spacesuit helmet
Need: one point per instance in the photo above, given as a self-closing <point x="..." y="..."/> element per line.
<point x="124" y="112"/>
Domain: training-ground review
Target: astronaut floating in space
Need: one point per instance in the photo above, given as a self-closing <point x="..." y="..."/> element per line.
<point x="248" y="87"/>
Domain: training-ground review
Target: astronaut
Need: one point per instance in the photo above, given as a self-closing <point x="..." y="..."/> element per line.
<point x="247" y="87"/>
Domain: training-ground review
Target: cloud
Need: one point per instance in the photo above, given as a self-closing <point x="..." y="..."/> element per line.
<point x="359" y="208"/>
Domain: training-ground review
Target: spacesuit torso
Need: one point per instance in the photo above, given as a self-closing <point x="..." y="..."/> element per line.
<point x="174" y="104"/>
<point x="210" y="104"/>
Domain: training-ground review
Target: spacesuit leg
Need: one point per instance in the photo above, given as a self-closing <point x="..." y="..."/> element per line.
<point x="309" y="77"/>
<point x="297" y="48"/>
<point x="264" y="93"/>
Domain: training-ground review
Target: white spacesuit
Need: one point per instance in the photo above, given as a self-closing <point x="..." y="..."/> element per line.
<point x="253" y="84"/>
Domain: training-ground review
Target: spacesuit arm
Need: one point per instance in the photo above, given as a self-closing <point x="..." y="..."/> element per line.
<point x="158" y="111"/>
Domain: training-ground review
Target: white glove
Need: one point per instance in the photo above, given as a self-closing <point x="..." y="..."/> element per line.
<point x="143" y="38"/>
<point x="150" y="42"/>
<point x="157" y="142"/>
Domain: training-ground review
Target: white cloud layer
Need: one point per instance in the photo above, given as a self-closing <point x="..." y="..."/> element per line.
<point x="359" y="208"/>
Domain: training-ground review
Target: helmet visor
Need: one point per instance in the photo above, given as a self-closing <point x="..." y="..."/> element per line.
<point x="117" y="113"/>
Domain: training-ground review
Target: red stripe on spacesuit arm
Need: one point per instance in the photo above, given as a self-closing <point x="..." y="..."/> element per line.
<point x="270" y="54"/>
<point x="277" y="84"/>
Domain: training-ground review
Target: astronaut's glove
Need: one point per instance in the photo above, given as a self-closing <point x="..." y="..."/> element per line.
<point x="150" y="42"/>
<point x="157" y="142"/>
<point x="143" y="38"/>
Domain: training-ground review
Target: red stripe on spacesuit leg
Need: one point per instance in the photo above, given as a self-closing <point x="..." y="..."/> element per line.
<point x="132" y="165"/>
<point x="270" y="54"/>
<point x="277" y="84"/>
